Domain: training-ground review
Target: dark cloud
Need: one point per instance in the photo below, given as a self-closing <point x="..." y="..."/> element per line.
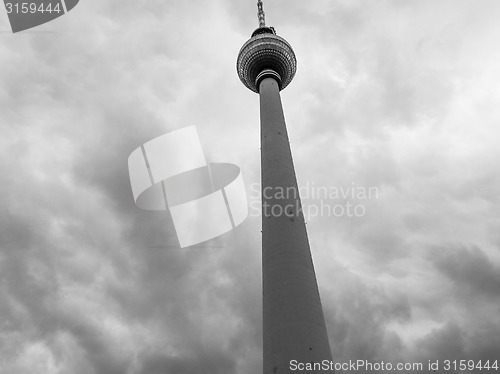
<point x="446" y="342"/>
<point x="358" y="315"/>
<point x="469" y="269"/>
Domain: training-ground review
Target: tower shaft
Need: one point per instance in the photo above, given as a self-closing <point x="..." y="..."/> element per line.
<point x="294" y="326"/>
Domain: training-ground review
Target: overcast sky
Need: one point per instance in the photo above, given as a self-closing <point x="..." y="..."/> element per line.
<point x="398" y="95"/>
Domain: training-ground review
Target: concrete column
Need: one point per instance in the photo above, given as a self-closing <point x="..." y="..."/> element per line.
<point x="294" y="325"/>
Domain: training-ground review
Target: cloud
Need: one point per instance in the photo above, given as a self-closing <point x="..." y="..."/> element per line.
<point x="469" y="269"/>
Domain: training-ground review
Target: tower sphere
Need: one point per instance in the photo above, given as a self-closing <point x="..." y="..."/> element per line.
<point x="266" y="51"/>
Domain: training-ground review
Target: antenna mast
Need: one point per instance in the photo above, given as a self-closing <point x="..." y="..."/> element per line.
<point x="261" y="14"/>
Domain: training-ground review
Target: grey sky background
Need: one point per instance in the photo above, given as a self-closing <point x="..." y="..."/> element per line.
<point x="398" y="95"/>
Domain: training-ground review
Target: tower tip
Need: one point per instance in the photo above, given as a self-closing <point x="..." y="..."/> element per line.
<point x="261" y="14"/>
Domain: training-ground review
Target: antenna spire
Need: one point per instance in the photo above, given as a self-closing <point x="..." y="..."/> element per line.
<point x="261" y="14"/>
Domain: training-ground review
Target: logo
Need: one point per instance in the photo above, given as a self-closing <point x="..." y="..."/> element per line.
<point x="205" y="200"/>
<point x="25" y="14"/>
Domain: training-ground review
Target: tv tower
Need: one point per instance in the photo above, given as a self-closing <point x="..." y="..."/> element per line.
<point x="293" y="321"/>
